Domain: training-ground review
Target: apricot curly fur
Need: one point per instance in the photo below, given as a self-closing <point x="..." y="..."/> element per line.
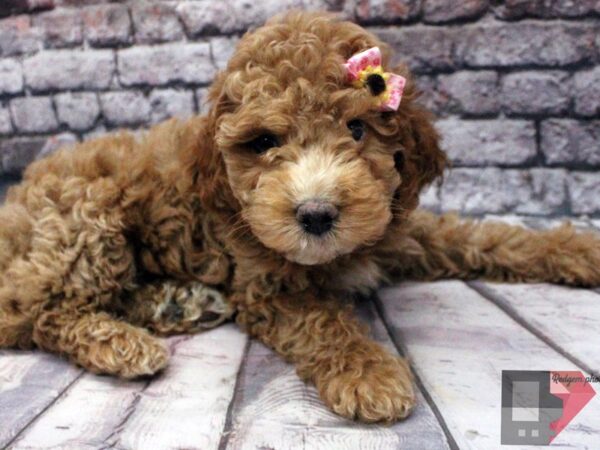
<point x="125" y="234"/>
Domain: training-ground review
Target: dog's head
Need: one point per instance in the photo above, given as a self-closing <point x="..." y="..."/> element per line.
<point x="317" y="170"/>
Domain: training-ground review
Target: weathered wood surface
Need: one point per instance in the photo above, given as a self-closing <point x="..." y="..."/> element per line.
<point x="274" y="409"/>
<point x="29" y="384"/>
<point x="459" y="343"/>
<point x="567" y="318"/>
<point x="184" y="407"/>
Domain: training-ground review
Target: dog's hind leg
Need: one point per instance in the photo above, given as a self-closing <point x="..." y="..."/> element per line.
<point x="15" y="239"/>
<point x="437" y="247"/>
<point x="68" y="284"/>
<point x="170" y="307"/>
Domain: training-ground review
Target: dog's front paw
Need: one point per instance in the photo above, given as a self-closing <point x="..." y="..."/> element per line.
<point x="374" y="392"/>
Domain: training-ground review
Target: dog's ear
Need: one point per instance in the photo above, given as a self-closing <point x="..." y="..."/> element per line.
<point x="206" y="162"/>
<point x="420" y="160"/>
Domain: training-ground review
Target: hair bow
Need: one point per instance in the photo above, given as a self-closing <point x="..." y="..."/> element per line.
<point x="364" y="70"/>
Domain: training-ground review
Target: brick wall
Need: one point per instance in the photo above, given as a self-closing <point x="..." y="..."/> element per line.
<point x="515" y="84"/>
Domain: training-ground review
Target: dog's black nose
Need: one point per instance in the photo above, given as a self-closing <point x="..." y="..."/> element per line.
<point x="316" y="217"/>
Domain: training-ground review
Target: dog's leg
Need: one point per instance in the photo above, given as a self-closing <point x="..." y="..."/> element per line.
<point x="77" y="265"/>
<point x="99" y="343"/>
<point x="171" y="307"/>
<point x="355" y="376"/>
<point x="441" y="247"/>
<point x="15" y="239"/>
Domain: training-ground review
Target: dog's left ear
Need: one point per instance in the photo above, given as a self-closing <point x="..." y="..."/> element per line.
<point x="420" y="160"/>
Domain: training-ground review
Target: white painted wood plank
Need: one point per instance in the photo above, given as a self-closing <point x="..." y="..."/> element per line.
<point x="459" y="344"/>
<point x="29" y="382"/>
<point x="568" y="317"/>
<point x="187" y="407"/>
<point x="184" y="407"/>
<point x="275" y="409"/>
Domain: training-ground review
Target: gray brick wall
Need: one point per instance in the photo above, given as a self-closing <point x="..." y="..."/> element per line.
<point x="515" y="84"/>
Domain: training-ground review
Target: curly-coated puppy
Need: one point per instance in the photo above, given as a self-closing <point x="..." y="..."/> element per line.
<point x="293" y="192"/>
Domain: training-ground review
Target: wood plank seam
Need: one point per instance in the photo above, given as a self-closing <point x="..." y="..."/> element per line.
<point x="131" y="408"/>
<point x="503" y="305"/>
<point x="43" y="411"/>
<point x="116" y="434"/>
<point x="227" y="427"/>
<point x="420" y="385"/>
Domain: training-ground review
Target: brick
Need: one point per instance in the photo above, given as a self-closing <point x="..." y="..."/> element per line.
<point x="574" y="8"/>
<point x="222" y="49"/>
<point x="534" y="92"/>
<point x="5" y="123"/>
<point x="440" y="11"/>
<point x="387" y="11"/>
<point x="586" y="92"/>
<point x="97" y="132"/>
<point x="486" y="142"/>
<point x="10" y="7"/>
<point x="56" y="142"/>
<point x="156" y="22"/>
<point x="64" y="69"/>
<point x="11" y="76"/>
<point x="202" y="100"/>
<point x="423" y="48"/>
<point x="526" y="43"/>
<point x="233" y="16"/>
<point x="430" y="96"/>
<point x="78" y="111"/>
<point x="473" y="93"/>
<point x="18" y="36"/>
<point x="430" y="198"/>
<point x="80" y="3"/>
<point x="584" y="192"/>
<point x="167" y="103"/>
<point x="17" y="153"/>
<point x="188" y="63"/>
<point x="498" y="191"/>
<point x="571" y="142"/>
<point x="125" y="108"/>
<point x="60" y="28"/>
<point x="518" y="9"/>
<point x="107" y="25"/>
<point x="33" y="114"/>
<point x="544" y="191"/>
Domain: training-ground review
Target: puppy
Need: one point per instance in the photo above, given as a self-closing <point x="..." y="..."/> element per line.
<point x="295" y="191"/>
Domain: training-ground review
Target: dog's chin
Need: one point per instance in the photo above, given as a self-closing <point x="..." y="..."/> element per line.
<point x="315" y="253"/>
<point x="301" y="248"/>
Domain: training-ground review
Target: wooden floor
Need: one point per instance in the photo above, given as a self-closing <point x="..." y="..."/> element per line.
<point x="223" y="391"/>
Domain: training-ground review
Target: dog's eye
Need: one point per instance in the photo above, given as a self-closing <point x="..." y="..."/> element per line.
<point x="263" y="143"/>
<point x="399" y="160"/>
<point x="357" y="128"/>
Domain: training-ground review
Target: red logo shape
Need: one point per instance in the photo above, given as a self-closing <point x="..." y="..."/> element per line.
<point x="574" y="390"/>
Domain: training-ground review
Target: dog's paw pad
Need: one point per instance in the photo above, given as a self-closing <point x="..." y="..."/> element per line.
<point x="191" y="307"/>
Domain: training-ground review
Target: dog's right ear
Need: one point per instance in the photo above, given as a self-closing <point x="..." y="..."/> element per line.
<point x="207" y="162"/>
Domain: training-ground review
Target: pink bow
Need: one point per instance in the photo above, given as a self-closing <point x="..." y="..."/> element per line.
<point x="367" y="63"/>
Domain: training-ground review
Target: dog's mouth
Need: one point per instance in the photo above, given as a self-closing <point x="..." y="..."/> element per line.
<point x="316" y="232"/>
